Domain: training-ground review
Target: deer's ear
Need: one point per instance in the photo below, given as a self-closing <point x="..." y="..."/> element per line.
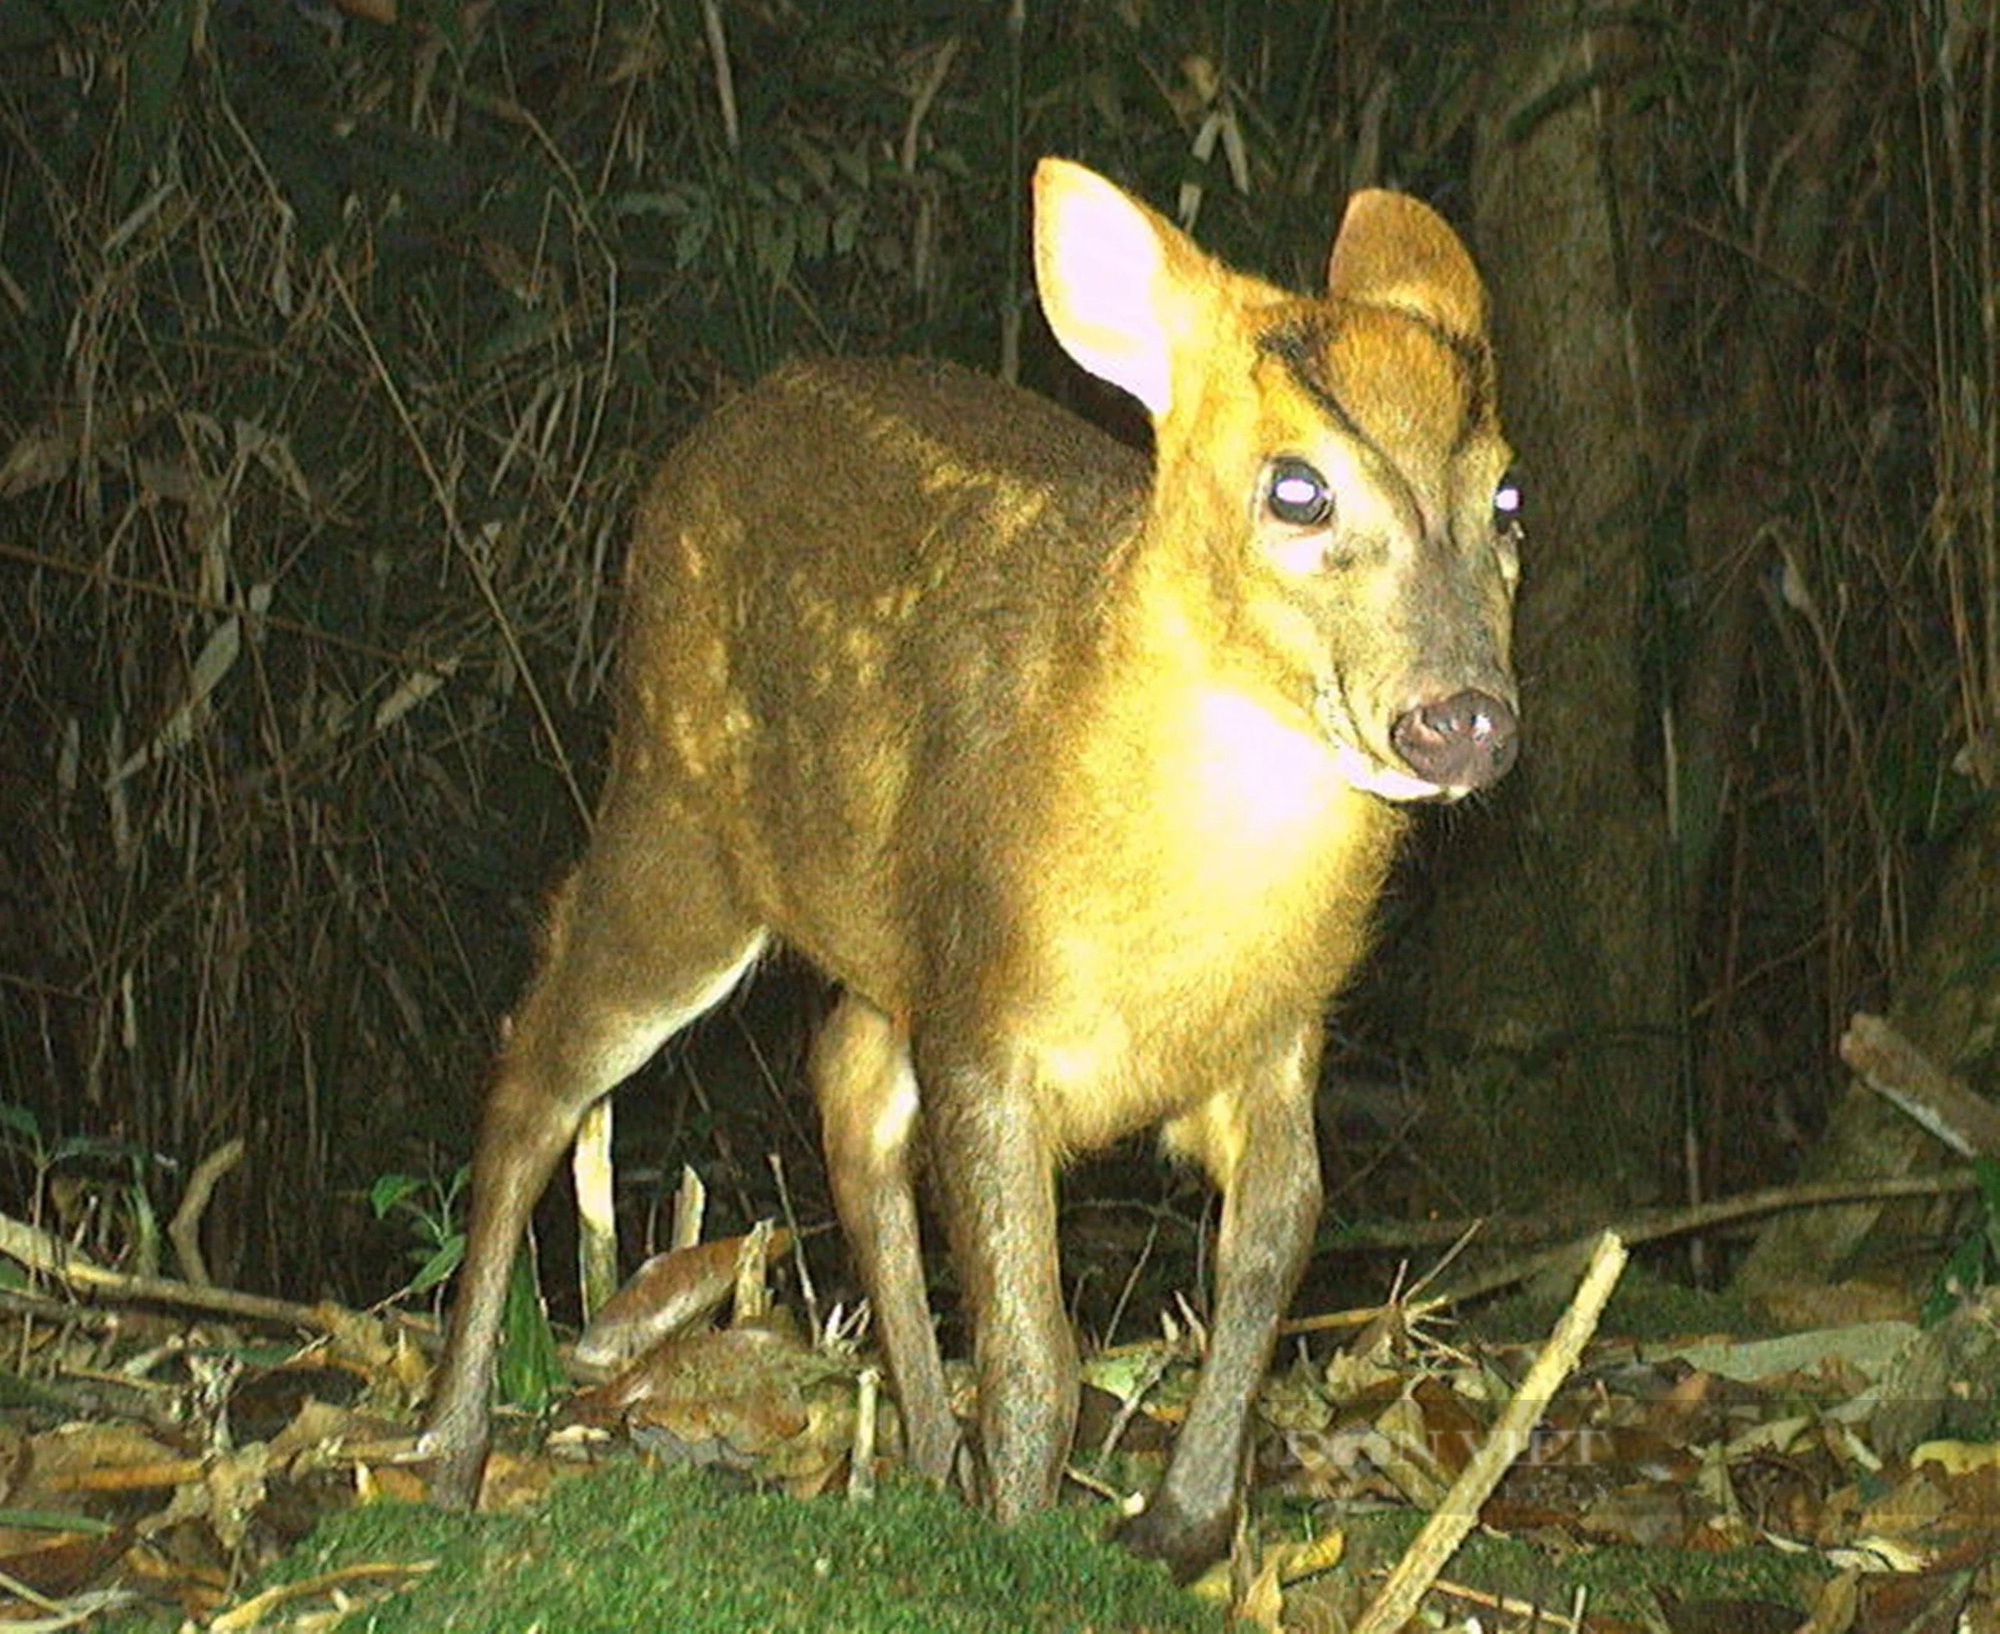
<point x="1395" y="251"/>
<point x="1118" y="282"/>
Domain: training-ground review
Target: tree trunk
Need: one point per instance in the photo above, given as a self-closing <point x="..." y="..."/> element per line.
<point x="1556" y="949"/>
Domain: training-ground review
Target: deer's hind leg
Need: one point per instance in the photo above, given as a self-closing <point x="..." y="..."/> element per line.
<point x="868" y="1103"/>
<point x="644" y="937"/>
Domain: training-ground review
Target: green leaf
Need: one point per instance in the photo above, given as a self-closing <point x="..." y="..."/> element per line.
<point x="439" y="1264"/>
<point x="153" y="76"/>
<point x="813" y="233"/>
<point x="18" y="1120"/>
<point x="390" y="1190"/>
<point x="528" y="1373"/>
<point x="1986" y="1171"/>
<point x="145" y="1229"/>
<point x="691" y="240"/>
<point x="853" y="164"/>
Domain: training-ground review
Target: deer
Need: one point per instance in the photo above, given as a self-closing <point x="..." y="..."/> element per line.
<point x="1076" y="770"/>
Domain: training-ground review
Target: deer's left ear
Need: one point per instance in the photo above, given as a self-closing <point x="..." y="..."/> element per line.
<point x="1397" y="251"/>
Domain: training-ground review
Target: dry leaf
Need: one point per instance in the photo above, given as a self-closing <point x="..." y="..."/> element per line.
<point x="670" y="1292"/>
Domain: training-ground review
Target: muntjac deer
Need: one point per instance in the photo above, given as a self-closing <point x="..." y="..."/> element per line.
<point x="1079" y="775"/>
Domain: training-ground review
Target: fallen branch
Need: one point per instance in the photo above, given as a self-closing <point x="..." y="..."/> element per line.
<point x="1908" y="1079"/>
<point x="52" y="1257"/>
<point x="1650" y="1225"/>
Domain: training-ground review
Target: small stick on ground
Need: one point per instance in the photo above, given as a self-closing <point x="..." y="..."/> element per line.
<point x="1456" y="1516"/>
<point x="185" y="1230"/>
<point x="690" y="1209"/>
<point x="596" y="1209"/>
<point x="867" y="1403"/>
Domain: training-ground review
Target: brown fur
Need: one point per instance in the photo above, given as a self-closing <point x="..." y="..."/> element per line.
<point x="1073" y="771"/>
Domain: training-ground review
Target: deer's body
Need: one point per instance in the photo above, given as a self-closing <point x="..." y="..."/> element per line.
<point x="1073" y="770"/>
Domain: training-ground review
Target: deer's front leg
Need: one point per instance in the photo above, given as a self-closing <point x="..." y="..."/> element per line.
<point x="995" y="1180"/>
<point x="1258" y="1145"/>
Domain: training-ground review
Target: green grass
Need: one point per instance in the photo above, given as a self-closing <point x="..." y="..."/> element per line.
<point x="628" y="1547"/>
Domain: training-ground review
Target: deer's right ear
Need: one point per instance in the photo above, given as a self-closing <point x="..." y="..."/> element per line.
<point x="1112" y="276"/>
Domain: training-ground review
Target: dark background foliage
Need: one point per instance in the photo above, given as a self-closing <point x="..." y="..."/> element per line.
<point x="335" y="345"/>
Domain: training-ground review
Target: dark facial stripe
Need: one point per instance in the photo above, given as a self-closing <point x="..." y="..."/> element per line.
<point x="1475" y="363"/>
<point x="1474" y="358"/>
<point x="1300" y="343"/>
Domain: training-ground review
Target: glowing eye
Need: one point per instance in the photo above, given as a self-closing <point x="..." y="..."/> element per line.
<point x="1507" y="502"/>
<point x="1296" y="494"/>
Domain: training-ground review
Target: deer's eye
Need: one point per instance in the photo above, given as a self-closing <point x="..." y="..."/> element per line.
<point x="1296" y="494"/>
<point x="1507" y="507"/>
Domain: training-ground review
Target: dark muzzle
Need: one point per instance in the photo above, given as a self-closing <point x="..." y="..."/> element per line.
<point x="1462" y="742"/>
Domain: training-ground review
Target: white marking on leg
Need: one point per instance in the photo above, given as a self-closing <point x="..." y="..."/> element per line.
<point x="890" y="1131"/>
